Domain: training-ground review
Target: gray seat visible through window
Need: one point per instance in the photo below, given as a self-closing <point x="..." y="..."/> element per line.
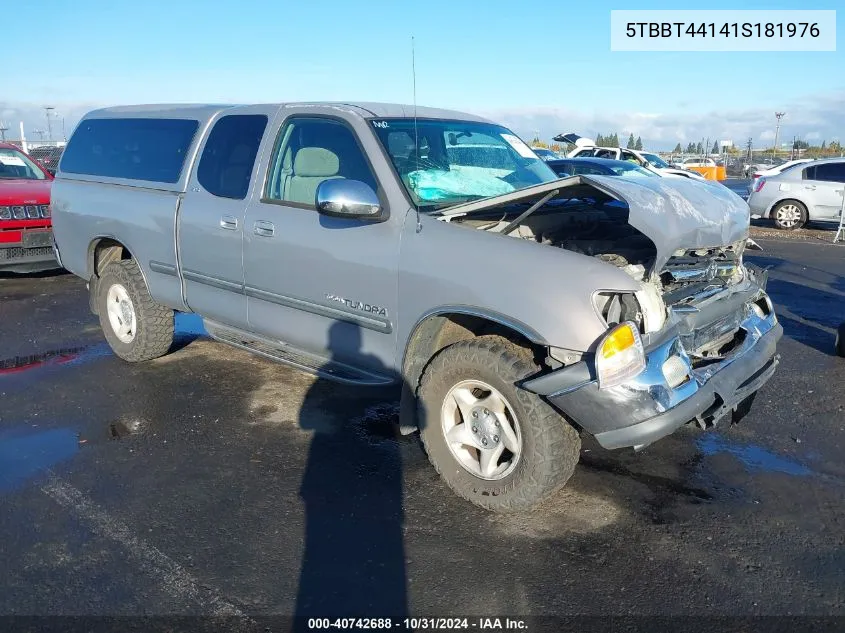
<point x="311" y="166"/>
<point x="234" y="178"/>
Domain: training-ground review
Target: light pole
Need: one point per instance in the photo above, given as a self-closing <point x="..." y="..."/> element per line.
<point x="778" y="116"/>
<point x="3" y="128"/>
<point x="40" y="134"/>
<point x="48" y="112"/>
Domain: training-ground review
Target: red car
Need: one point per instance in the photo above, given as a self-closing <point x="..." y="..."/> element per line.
<point x="26" y="236"/>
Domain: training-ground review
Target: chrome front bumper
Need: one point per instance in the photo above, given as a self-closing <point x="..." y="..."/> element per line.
<point x="648" y="407"/>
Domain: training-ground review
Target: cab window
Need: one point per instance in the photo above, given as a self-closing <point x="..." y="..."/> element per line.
<point x="229" y="155"/>
<point x="310" y="151"/>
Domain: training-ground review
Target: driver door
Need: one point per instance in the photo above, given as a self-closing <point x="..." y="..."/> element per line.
<point x="324" y="285"/>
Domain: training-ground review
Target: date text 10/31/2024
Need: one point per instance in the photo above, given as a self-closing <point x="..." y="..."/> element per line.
<point x="419" y="624"/>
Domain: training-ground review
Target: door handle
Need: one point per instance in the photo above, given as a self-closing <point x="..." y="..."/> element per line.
<point x="810" y="187"/>
<point x="264" y="228"/>
<point x="229" y="222"/>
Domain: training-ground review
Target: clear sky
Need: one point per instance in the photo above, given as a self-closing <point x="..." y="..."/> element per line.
<point x="537" y="65"/>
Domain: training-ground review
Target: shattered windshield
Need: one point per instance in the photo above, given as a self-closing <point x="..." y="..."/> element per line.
<point x="442" y="163"/>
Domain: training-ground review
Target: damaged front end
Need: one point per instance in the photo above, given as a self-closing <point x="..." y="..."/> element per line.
<point x="693" y="344"/>
<point x="705" y="364"/>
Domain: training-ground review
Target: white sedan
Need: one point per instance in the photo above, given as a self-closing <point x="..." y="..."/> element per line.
<point x="774" y="171"/>
<point x="698" y="162"/>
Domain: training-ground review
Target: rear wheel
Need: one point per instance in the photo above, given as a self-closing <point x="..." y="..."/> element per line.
<point x="136" y="327"/>
<point x="789" y="215"/>
<point x="494" y="444"/>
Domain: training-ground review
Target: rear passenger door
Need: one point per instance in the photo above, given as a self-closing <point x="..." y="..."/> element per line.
<point x="211" y="217"/>
<point x="823" y="185"/>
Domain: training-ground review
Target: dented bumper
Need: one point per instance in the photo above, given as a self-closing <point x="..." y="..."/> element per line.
<point x="649" y="407"/>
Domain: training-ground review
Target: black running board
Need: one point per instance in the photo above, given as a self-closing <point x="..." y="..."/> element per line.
<point x="293" y="357"/>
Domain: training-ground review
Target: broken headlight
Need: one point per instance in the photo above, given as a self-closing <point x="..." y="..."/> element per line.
<point x="618" y="307"/>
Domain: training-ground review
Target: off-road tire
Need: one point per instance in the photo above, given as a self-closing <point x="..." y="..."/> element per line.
<point x="154" y="322"/>
<point x="840" y="341"/>
<point x="801" y="222"/>
<point x="551" y="446"/>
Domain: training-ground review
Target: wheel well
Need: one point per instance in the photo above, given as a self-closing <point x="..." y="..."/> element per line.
<point x="441" y="330"/>
<point x="780" y="202"/>
<point x="102" y="252"/>
<point x="437" y="332"/>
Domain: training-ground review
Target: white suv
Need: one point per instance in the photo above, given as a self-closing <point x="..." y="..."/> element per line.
<point x="648" y="160"/>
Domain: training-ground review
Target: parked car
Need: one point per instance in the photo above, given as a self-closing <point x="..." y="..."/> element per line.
<point x="25" y="234"/>
<point x="585" y="148"/>
<point x="759" y="170"/>
<point x="48" y="156"/>
<point x="545" y="154"/>
<point x="598" y="167"/>
<point x="810" y="192"/>
<point x="517" y="310"/>
<point x="697" y="161"/>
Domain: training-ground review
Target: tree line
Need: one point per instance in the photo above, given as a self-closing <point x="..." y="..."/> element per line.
<point x="612" y="140"/>
<point x="696" y="148"/>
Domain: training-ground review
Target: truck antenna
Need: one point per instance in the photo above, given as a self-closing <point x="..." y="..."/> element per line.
<point x="416" y="131"/>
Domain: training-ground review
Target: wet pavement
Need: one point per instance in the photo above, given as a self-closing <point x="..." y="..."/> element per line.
<point x="212" y="482"/>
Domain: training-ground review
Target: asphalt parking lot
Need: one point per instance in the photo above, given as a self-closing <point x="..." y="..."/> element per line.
<point x="211" y="482"/>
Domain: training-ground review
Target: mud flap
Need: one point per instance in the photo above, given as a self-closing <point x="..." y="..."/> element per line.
<point x="92" y="294"/>
<point x="408" y="414"/>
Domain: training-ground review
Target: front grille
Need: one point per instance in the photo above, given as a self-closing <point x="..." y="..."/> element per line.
<point x="26" y="212"/>
<point x="19" y="253"/>
<point x="693" y="274"/>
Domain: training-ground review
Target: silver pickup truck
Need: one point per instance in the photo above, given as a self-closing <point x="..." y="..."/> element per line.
<point x="381" y="244"/>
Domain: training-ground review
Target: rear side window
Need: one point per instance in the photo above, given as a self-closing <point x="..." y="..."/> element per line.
<point x="229" y="155"/>
<point x="139" y="149"/>
<point x="830" y="172"/>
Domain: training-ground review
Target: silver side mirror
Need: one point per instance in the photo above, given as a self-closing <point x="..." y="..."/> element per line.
<point x="342" y="198"/>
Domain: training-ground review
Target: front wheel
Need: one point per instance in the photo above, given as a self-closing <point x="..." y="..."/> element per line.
<point x="494" y="444"/>
<point x="136" y="327"/>
<point x="789" y="215"/>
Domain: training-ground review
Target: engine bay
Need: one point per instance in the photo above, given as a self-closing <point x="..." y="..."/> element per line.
<point x="690" y="277"/>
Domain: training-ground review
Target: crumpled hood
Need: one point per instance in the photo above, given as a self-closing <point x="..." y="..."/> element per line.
<point x="680" y="213"/>
<point x="674" y="213"/>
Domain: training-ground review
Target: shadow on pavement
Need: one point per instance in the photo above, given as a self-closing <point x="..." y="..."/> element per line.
<point x="354" y="559"/>
<point x="811" y="315"/>
<point x="56" y="272"/>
